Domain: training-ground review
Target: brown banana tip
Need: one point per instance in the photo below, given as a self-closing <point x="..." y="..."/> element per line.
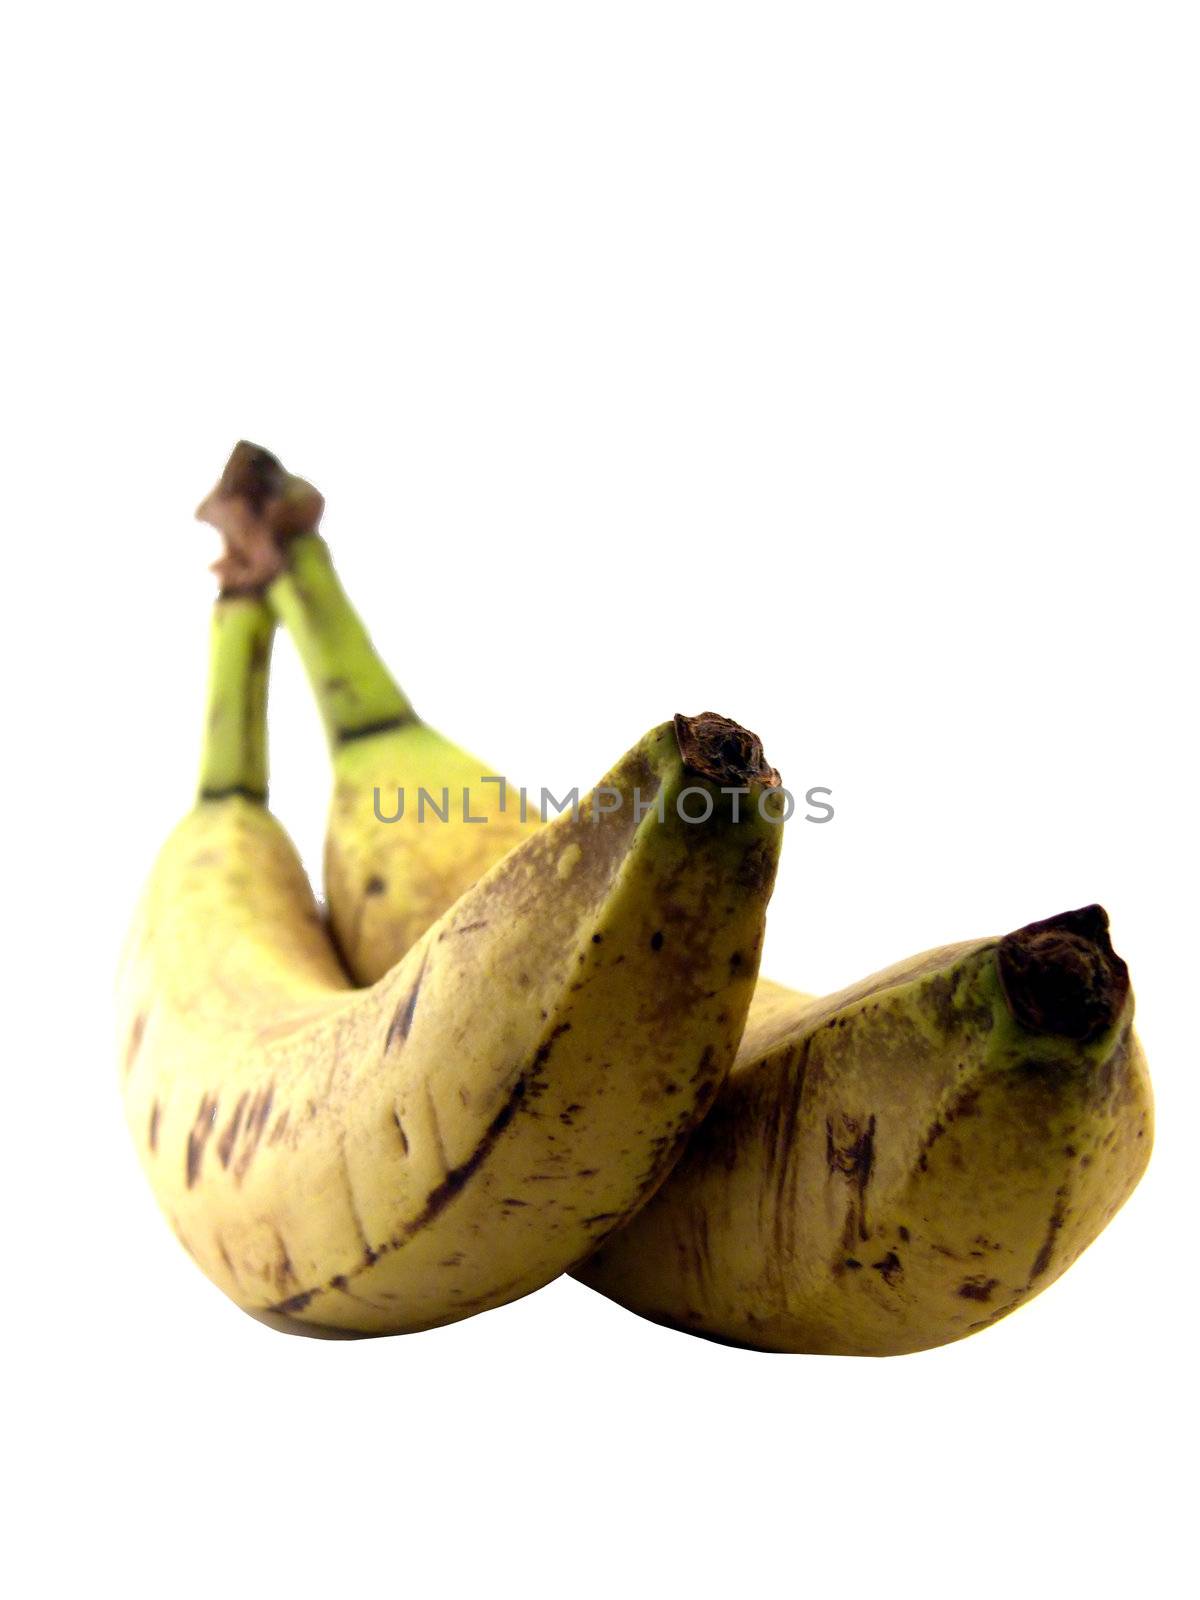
<point x="257" y="507"/>
<point x="1062" y="976"/>
<point x="714" y="747"/>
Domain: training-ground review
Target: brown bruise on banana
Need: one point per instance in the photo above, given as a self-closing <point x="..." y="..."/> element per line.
<point x="228" y="1139"/>
<point x="134" y="1043"/>
<point x="488" y="1183"/>
<point x="197" y="1139"/>
<point x="402" y="1020"/>
<point x="893" y="1168"/>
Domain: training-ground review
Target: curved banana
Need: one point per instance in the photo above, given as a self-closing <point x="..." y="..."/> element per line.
<point x="906" y="1162"/>
<point x="399" y="847"/>
<point x="457" y="1135"/>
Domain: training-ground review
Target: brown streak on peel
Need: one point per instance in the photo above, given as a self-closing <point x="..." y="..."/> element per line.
<point x="402" y="1021"/>
<point x="226" y="1259"/>
<point x="341" y="1285"/>
<point x="455" y="1180"/>
<point x="400" y="1129"/>
<point x="136" y="1034"/>
<point x="256" y="1121"/>
<point x="284" y="1270"/>
<point x="853" y="1156"/>
<point x="297" y="1302"/>
<point x="1053" y="1227"/>
<point x="198" y="1137"/>
<point x="443" y="1158"/>
<point x="351" y="1201"/>
<point x="440" y="1197"/>
<point x="543" y="1051"/>
<point x="229" y="1138"/>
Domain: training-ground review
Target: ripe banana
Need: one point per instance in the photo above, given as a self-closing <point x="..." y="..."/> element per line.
<point x="995" y="1144"/>
<point x="399" y="849"/>
<point x="397" y="1157"/>
<point x="903" y="1163"/>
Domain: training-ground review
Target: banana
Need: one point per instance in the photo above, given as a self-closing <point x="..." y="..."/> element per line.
<point x="906" y="1162"/>
<point x="392" y="1158"/>
<point x="399" y="847"/>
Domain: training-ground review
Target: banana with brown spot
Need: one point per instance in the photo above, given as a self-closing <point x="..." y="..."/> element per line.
<point x="476" y="1122"/>
<point x="904" y="1163"/>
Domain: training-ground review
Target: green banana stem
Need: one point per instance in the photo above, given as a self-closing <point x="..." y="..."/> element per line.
<point x="234" y="758"/>
<point x="356" y="693"/>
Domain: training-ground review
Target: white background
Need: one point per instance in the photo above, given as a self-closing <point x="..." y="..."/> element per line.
<point x="831" y="367"/>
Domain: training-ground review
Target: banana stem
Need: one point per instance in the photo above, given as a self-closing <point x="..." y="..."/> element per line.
<point x="356" y="693"/>
<point x="234" y="759"/>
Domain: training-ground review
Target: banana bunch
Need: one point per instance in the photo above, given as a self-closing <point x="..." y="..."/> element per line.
<point x="512" y="1050"/>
